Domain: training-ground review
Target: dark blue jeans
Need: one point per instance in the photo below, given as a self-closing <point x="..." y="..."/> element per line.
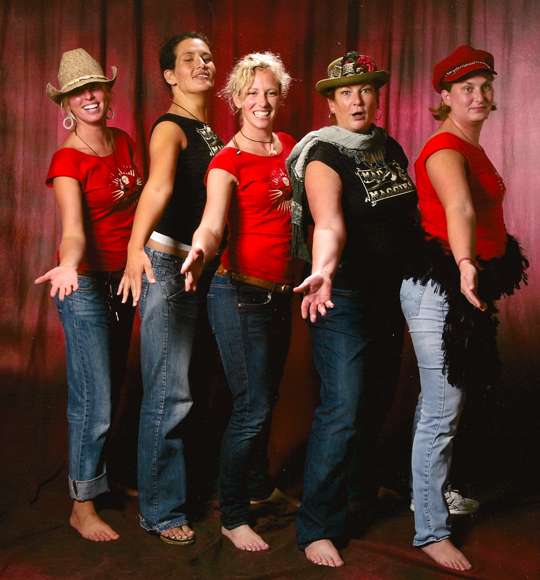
<point x="252" y="328"/>
<point x="98" y="329"/>
<point x="349" y="347"/>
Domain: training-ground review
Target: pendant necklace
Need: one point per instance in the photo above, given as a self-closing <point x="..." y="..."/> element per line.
<point x="271" y="142"/>
<point x="196" y="119"/>
<point x="122" y="179"/>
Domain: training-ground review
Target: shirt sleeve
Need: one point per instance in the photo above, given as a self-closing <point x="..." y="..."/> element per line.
<point x="64" y="164"/>
<point x="226" y="159"/>
<point x="328" y="154"/>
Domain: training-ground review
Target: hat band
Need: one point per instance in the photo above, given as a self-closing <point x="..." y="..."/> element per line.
<point x="454" y="70"/>
<point x="75" y="81"/>
<point x="347" y="70"/>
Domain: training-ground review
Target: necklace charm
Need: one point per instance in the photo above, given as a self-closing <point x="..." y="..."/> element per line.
<point x="271" y="142"/>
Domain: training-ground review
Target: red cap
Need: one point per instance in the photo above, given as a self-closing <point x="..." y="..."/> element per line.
<point x="462" y="61"/>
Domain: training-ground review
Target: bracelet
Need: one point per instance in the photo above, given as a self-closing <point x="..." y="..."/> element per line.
<point x="473" y="262"/>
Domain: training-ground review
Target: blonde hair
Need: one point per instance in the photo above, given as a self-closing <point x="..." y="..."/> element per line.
<point x="243" y="73"/>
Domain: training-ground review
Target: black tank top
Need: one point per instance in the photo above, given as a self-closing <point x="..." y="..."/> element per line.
<point x="183" y="213"/>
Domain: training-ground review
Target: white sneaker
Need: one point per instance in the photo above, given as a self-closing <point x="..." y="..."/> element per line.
<point x="457" y="504"/>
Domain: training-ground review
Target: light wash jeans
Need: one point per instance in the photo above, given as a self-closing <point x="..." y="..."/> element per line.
<point x="169" y="317"/>
<point x="252" y="328"/>
<point x="437" y="414"/>
<point x="97" y="327"/>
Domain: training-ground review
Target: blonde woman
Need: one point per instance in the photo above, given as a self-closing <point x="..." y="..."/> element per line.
<point x="97" y="186"/>
<point x="250" y="296"/>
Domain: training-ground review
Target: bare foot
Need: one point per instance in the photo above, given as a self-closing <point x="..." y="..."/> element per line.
<point x="324" y="553"/>
<point x="446" y="554"/>
<point x="179" y="534"/>
<point x="245" y="538"/>
<point x="91" y="527"/>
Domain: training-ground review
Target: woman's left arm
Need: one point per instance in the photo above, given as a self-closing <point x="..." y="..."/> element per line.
<point x="447" y="173"/>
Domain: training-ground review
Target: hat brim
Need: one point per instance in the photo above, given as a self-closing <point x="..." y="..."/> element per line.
<point x="465" y="71"/>
<point x="56" y="95"/>
<point x="379" y="78"/>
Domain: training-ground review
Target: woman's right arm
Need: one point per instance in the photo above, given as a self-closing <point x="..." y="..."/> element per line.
<point x="447" y="173"/>
<point x="207" y="237"/>
<point x="63" y="278"/>
<point x="166" y="142"/>
<point x="323" y="189"/>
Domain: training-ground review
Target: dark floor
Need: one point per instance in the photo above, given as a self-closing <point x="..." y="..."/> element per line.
<point x="502" y="541"/>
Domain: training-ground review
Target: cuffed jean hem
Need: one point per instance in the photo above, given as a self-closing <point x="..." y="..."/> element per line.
<point x="418" y="544"/>
<point x="163" y="526"/>
<point x="88" y="490"/>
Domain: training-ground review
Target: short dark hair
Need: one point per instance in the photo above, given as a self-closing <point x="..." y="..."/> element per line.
<point x="167" y="54"/>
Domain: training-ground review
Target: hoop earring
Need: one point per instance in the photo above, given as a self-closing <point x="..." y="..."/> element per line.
<point x="112" y="114"/>
<point x="68" y="122"/>
<point x="380" y="115"/>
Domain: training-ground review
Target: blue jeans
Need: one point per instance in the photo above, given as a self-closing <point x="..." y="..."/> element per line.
<point x="252" y="328"/>
<point x="97" y="327"/>
<point x="437" y="414"/>
<point x="341" y="344"/>
<point x="169" y="317"/>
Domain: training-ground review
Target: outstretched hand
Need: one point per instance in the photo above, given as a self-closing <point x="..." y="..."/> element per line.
<point x="64" y="280"/>
<point x="469" y="285"/>
<point x="137" y="265"/>
<point x="192" y="268"/>
<point x="317" y="290"/>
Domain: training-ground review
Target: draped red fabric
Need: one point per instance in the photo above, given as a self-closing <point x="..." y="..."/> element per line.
<point x="405" y="37"/>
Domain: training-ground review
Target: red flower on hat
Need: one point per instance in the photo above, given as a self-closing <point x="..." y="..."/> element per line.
<point x="364" y="62"/>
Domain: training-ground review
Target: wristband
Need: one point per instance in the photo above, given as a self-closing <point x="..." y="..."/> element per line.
<point x="473" y="262"/>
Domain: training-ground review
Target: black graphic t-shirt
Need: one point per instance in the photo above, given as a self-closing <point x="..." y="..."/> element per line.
<point x="183" y="213"/>
<point x="378" y="202"/>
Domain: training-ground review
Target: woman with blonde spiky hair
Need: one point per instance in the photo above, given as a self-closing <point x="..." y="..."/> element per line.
<point x="250" y="296"/>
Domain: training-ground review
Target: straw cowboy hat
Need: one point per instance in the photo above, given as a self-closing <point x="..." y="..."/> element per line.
<point x="352" y="69"/>
<point x="78" y="68"/>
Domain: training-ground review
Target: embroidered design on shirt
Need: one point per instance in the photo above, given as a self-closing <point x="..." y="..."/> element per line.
<point x="382" y="180"/>
<point x="126" y="187"/>
<point x="280" y="190"/>
<point x="211" y="139"/>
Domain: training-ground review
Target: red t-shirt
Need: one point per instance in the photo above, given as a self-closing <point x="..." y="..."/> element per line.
<point x="487" y="191"/>
<point x="108" y="210"/>
<point x="259" y="218"/>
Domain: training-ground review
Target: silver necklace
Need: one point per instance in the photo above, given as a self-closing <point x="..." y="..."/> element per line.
<point x="271" y="142"/>
<point x="120" y="177"/>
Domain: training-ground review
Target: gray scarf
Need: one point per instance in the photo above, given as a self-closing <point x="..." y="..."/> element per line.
<point x="296" y="166"/>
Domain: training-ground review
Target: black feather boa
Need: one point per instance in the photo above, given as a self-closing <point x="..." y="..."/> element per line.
<point x="471" y="356"/>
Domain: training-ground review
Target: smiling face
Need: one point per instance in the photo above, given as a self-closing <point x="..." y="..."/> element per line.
<point x="194" y="70"/>
<point x="89" y="103"/>
<point x="470" y="100"/>
<point x="355" y="106"/>
<point x="261" y="102"/>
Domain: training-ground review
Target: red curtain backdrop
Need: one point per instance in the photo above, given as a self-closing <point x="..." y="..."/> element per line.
<point x="405" y="37"/>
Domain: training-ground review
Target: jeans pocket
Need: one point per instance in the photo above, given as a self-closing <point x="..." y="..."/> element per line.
<point x="411" y="295"/>
<point x="248" y="295"/>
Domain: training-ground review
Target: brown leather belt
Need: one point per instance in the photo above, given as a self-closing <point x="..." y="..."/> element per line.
<point x="102" y="275"/>
<point x="266" y="284"/>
